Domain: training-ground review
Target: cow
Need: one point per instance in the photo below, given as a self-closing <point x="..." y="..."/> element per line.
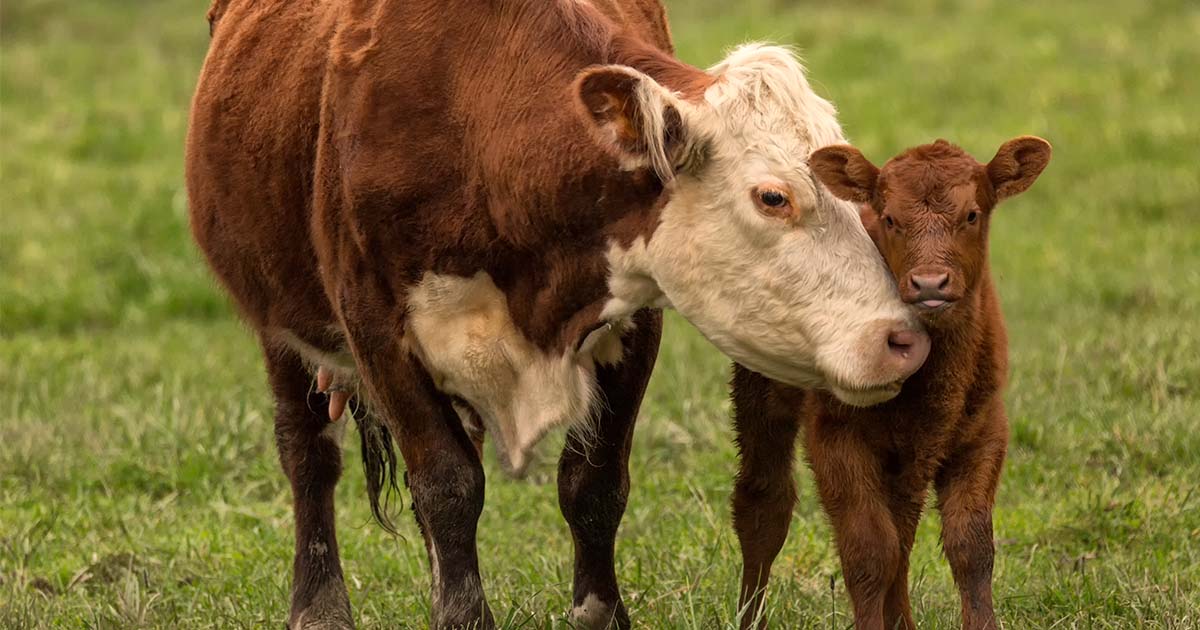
<point x="929" y="211"/>
<point x="463" y="218"/>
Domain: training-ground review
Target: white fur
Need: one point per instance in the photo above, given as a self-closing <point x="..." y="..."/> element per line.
<point x="336" y="431"/>
<point x="592" y="613"/>
<point x="461" y="330"/>
<point x="788" y="299"/>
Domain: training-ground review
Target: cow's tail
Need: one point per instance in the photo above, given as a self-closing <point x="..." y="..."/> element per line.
<point x="379" y="466"/>
<point x="214" y="14"/>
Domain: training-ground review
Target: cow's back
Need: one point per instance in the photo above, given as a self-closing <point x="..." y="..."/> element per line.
<point x="250" y="152"/>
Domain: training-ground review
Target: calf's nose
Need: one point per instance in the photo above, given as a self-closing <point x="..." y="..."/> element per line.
<point x="908" y="349"/>
<point x="928" y="284"/>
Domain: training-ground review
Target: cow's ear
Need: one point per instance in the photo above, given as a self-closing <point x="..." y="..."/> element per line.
<point x="845" y="172"/>
<point x="1017" y="165"/>
<point x="633" y="116"/>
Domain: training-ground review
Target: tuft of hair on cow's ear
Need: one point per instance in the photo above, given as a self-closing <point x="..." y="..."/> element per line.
<point x="632" y="116"/>
<point x="845" y="172"/>
<point x="1017" y="165"/>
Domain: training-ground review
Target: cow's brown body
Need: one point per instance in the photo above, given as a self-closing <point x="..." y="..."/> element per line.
<point x="318" y="205"/>
<point x="928" y="211"/>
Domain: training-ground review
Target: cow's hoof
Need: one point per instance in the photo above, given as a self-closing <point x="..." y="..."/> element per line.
<point x="477" y="617"/>
<point x="595" y="614"/>
<point x="328" y="610"/>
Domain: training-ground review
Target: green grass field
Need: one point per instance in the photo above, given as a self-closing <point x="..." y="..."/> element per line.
<point x="138" y="479"/>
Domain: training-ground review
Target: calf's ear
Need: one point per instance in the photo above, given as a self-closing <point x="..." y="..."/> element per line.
<point x="1017" y="165"/>
<point x="845" y="172"/>
<point x="632" y="116"/>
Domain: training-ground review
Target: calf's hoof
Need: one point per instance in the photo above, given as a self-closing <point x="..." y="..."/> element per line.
<point x="594" y="613"/>
<point x="328" y="610"/>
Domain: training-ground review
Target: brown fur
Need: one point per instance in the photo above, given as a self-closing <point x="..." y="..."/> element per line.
<point x="337" y="151"/>
<point x="947" y="427"/>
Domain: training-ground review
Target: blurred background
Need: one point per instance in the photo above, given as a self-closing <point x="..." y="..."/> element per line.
<point x="138" y="480"/>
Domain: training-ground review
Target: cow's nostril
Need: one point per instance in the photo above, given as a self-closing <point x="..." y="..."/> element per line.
<point x="902" y="341"/>
<point x="909" y="348"/>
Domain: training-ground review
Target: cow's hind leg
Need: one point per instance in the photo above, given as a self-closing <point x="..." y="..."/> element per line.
<point x="766" y="419"/>
<point x="593" y="479"/>
<point x="310" y="453"/>
<point x="443" y="472"/>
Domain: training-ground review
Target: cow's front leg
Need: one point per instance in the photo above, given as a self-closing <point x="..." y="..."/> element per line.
<point x="593" y="478"/>
<point x="443" y="473"/>
<point x="311" y="455"/>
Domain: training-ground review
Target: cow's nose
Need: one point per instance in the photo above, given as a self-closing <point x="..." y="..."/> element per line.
<point x="908" y="349"/>
<point x="929" y="284"/>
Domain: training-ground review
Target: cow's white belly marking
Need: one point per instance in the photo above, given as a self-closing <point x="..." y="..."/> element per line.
<point x="461" y="330"/>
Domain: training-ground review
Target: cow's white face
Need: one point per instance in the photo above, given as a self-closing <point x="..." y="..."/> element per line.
<point x="760" y="257"/>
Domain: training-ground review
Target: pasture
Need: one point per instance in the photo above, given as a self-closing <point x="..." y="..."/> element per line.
<point x="139" y="485"/>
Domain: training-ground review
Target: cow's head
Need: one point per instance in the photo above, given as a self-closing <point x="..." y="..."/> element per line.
<point x="775" y="271"/>
<point x="929" y="209"/>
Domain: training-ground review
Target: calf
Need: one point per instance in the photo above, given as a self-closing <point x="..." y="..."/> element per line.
<point x="468" y="215"/>
<point x="928" y="211"/>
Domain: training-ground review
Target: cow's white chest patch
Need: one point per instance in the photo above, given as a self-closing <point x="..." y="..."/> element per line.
<point x="461" y="330"/>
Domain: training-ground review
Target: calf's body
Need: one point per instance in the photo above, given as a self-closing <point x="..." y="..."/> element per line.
<point x="928" y="210"/>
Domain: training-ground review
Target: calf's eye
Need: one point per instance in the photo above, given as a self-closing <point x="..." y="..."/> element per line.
<point x="890" y="222"/>
<point x="772" y="198"/>
<point x="972" y="217"/>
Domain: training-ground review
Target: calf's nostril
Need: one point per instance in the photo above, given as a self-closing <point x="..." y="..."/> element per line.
<point x="929" y="282"/>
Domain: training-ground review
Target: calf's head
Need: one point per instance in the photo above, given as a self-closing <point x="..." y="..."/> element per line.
<point x="929" y="209"/>
<point x="748" y="246"/>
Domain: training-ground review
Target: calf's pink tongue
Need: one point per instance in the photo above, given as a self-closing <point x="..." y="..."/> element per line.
<point x="337" y="405"/>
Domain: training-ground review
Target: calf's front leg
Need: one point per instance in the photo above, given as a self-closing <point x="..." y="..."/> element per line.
<point x="850" y="484"/>
<point x="966" y="489"/>
<point x="593" y="478"/>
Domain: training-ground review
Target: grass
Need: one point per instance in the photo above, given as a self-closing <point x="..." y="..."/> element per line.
<point x="138" y="481"/>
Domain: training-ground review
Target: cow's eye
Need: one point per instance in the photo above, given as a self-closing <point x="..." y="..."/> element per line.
<point x="889" y="221"/>
<point x="772" y="198"/>
<point x="972" y="217"/>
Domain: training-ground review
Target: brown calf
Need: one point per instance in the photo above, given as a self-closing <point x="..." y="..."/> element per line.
<point x="928" y="211"/>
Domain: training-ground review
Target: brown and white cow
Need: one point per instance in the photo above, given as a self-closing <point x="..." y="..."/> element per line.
<point x="468" y="214"/>
<point x="929" y="210"/>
